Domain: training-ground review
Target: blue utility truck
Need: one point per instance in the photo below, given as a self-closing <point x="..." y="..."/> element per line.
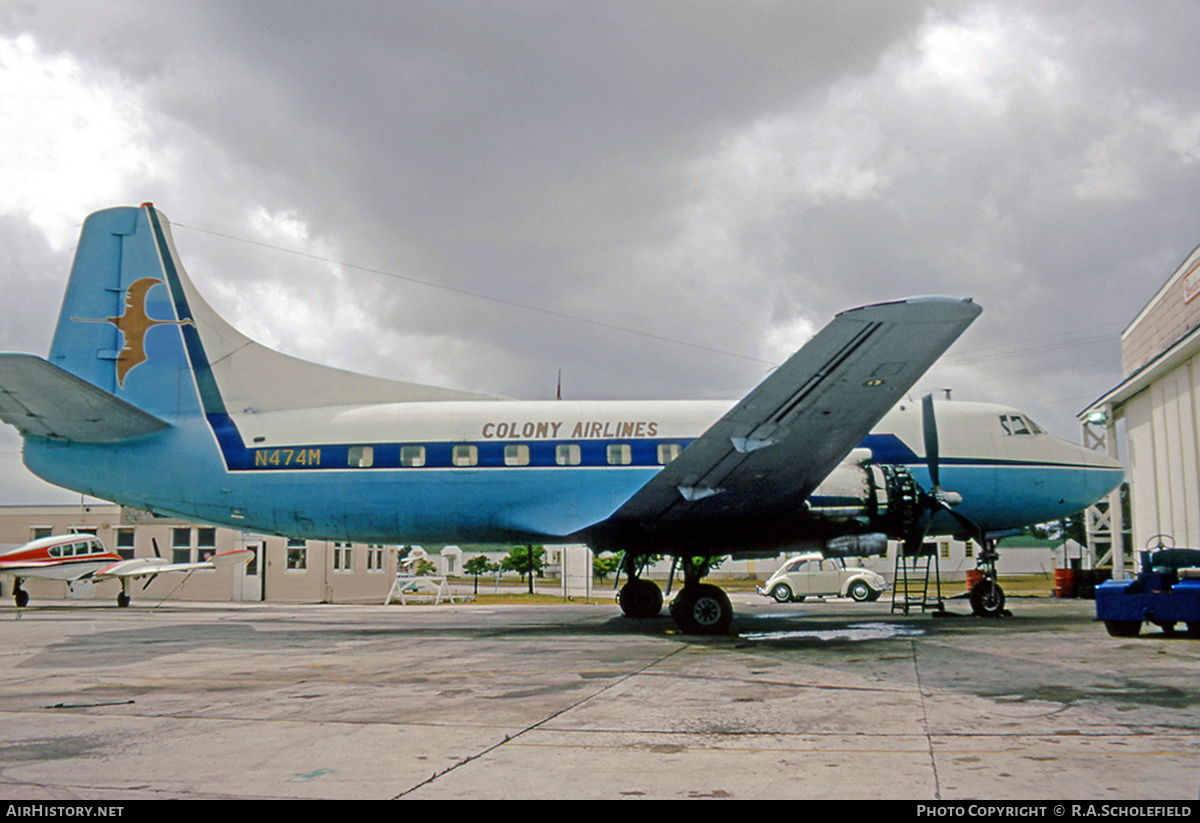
<point x="1166" y="592"/>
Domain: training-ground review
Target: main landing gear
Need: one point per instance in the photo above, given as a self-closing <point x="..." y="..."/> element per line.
<point x="699" y="608"/>
<point x="20" y="596"/>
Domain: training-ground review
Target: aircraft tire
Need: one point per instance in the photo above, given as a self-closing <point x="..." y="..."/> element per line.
<point x="122" y="599"/>
<point x="782" y="593"/>
<point x="859" y="591"/>
<point x="21" y="598"/>
<point x="640" y="599"/>
<point x="1123" y="628"/>
<point x="702" y="609"/>
<point x="987" y="599"/>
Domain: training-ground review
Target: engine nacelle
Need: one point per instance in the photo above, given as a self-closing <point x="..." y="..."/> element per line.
<point x="856" y="545"/>
<point x="873" y="501"/>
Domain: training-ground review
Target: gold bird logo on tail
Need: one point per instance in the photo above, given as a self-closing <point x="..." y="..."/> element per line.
<point x="133" y="324"/>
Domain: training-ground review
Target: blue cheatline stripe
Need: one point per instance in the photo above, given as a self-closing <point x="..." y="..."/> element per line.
<point x="440" y="455"/>
<point x="210" y="396"/>
<point x="223" y="428"/>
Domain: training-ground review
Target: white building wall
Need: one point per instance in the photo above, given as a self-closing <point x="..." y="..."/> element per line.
<point x="1163" y="437"/>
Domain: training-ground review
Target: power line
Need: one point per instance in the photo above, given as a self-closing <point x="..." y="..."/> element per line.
<point x="964" y="358"/>
<point x="481" y="296"/>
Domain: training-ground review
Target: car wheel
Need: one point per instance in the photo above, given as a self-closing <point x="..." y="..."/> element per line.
<point x="782" y="593"/>
<point x="859" y="591"/>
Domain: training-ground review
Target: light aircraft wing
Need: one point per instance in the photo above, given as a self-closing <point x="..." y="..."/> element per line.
<point x="42" y="400"/>
<point x="149" y="566"/>
<point x="766" y="455"/>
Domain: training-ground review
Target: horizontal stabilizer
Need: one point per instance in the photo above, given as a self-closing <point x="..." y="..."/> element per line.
<point x="42" y="400"/>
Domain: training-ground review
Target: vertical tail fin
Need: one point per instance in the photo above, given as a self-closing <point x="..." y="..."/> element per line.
<point x="119" y="327"/>
<point x="133" y="324"/>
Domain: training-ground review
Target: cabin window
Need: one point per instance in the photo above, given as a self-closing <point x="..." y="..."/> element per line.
<point x="567" y="454"/>
<point x="619" y="454"/>
<point x="516" y="454"/>
<point x="465" y="455"/>
<point x="1017" y="424"/>
<point x="361" y="457"/>
<point x="668" y="452"/>
<point x="412" y="456"/>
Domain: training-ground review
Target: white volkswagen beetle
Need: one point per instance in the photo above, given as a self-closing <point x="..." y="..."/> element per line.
<point x="813" y="575"/>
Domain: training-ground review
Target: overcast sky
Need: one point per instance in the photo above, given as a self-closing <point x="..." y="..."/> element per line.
<point x="659" y="199"/>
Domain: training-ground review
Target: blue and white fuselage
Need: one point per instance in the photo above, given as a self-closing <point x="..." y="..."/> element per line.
<point x="524" y="471"/>
<point x="151" y="400"/>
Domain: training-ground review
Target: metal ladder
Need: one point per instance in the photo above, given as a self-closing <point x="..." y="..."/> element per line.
<point x="911" y="584"/>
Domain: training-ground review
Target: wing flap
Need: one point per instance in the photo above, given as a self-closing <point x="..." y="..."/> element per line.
<point x="768" y="453"/>
<point x="42" y="400"/>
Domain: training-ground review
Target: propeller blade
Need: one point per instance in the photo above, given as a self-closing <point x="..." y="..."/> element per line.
<point x="154" y="543"/>
<point x="932" y="454"/>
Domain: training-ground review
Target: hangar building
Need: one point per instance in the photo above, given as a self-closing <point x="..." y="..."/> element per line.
<point x="1159" y="402"/>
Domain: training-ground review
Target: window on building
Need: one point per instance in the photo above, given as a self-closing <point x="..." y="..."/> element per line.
<point x="343" y="557"/>
<point x="412" y="456"/>
<point x="297" y="555"/>
<point x="361" y="457"/>
<point x="619" y="454"/>
<point x="206" y="542"/>
<point x="465" y="455"/>
<point x="944" y="549"/>
<point x="567" y="454"/>
<point x="125" y="543"/>
<point x="38" y="532"/>
<point x="516" y="454"/>
<point x="375" y="558"/>
<point x="181" y="545"/>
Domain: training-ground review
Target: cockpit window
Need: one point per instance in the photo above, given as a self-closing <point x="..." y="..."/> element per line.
<point x="1018" y="424"/>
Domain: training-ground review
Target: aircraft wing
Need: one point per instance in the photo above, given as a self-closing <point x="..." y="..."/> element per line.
<point x="42" y="400"/>
<point x="766" y="455"/>
<point x="149" y="566"/>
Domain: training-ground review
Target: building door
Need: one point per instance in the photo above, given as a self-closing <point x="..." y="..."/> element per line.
<point x="248" y="582"/>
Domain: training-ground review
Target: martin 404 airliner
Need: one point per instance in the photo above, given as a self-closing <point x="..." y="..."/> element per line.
<point x="151" y="400"/>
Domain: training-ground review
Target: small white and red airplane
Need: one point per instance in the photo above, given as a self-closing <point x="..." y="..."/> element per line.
<point x="72" y="557"/>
